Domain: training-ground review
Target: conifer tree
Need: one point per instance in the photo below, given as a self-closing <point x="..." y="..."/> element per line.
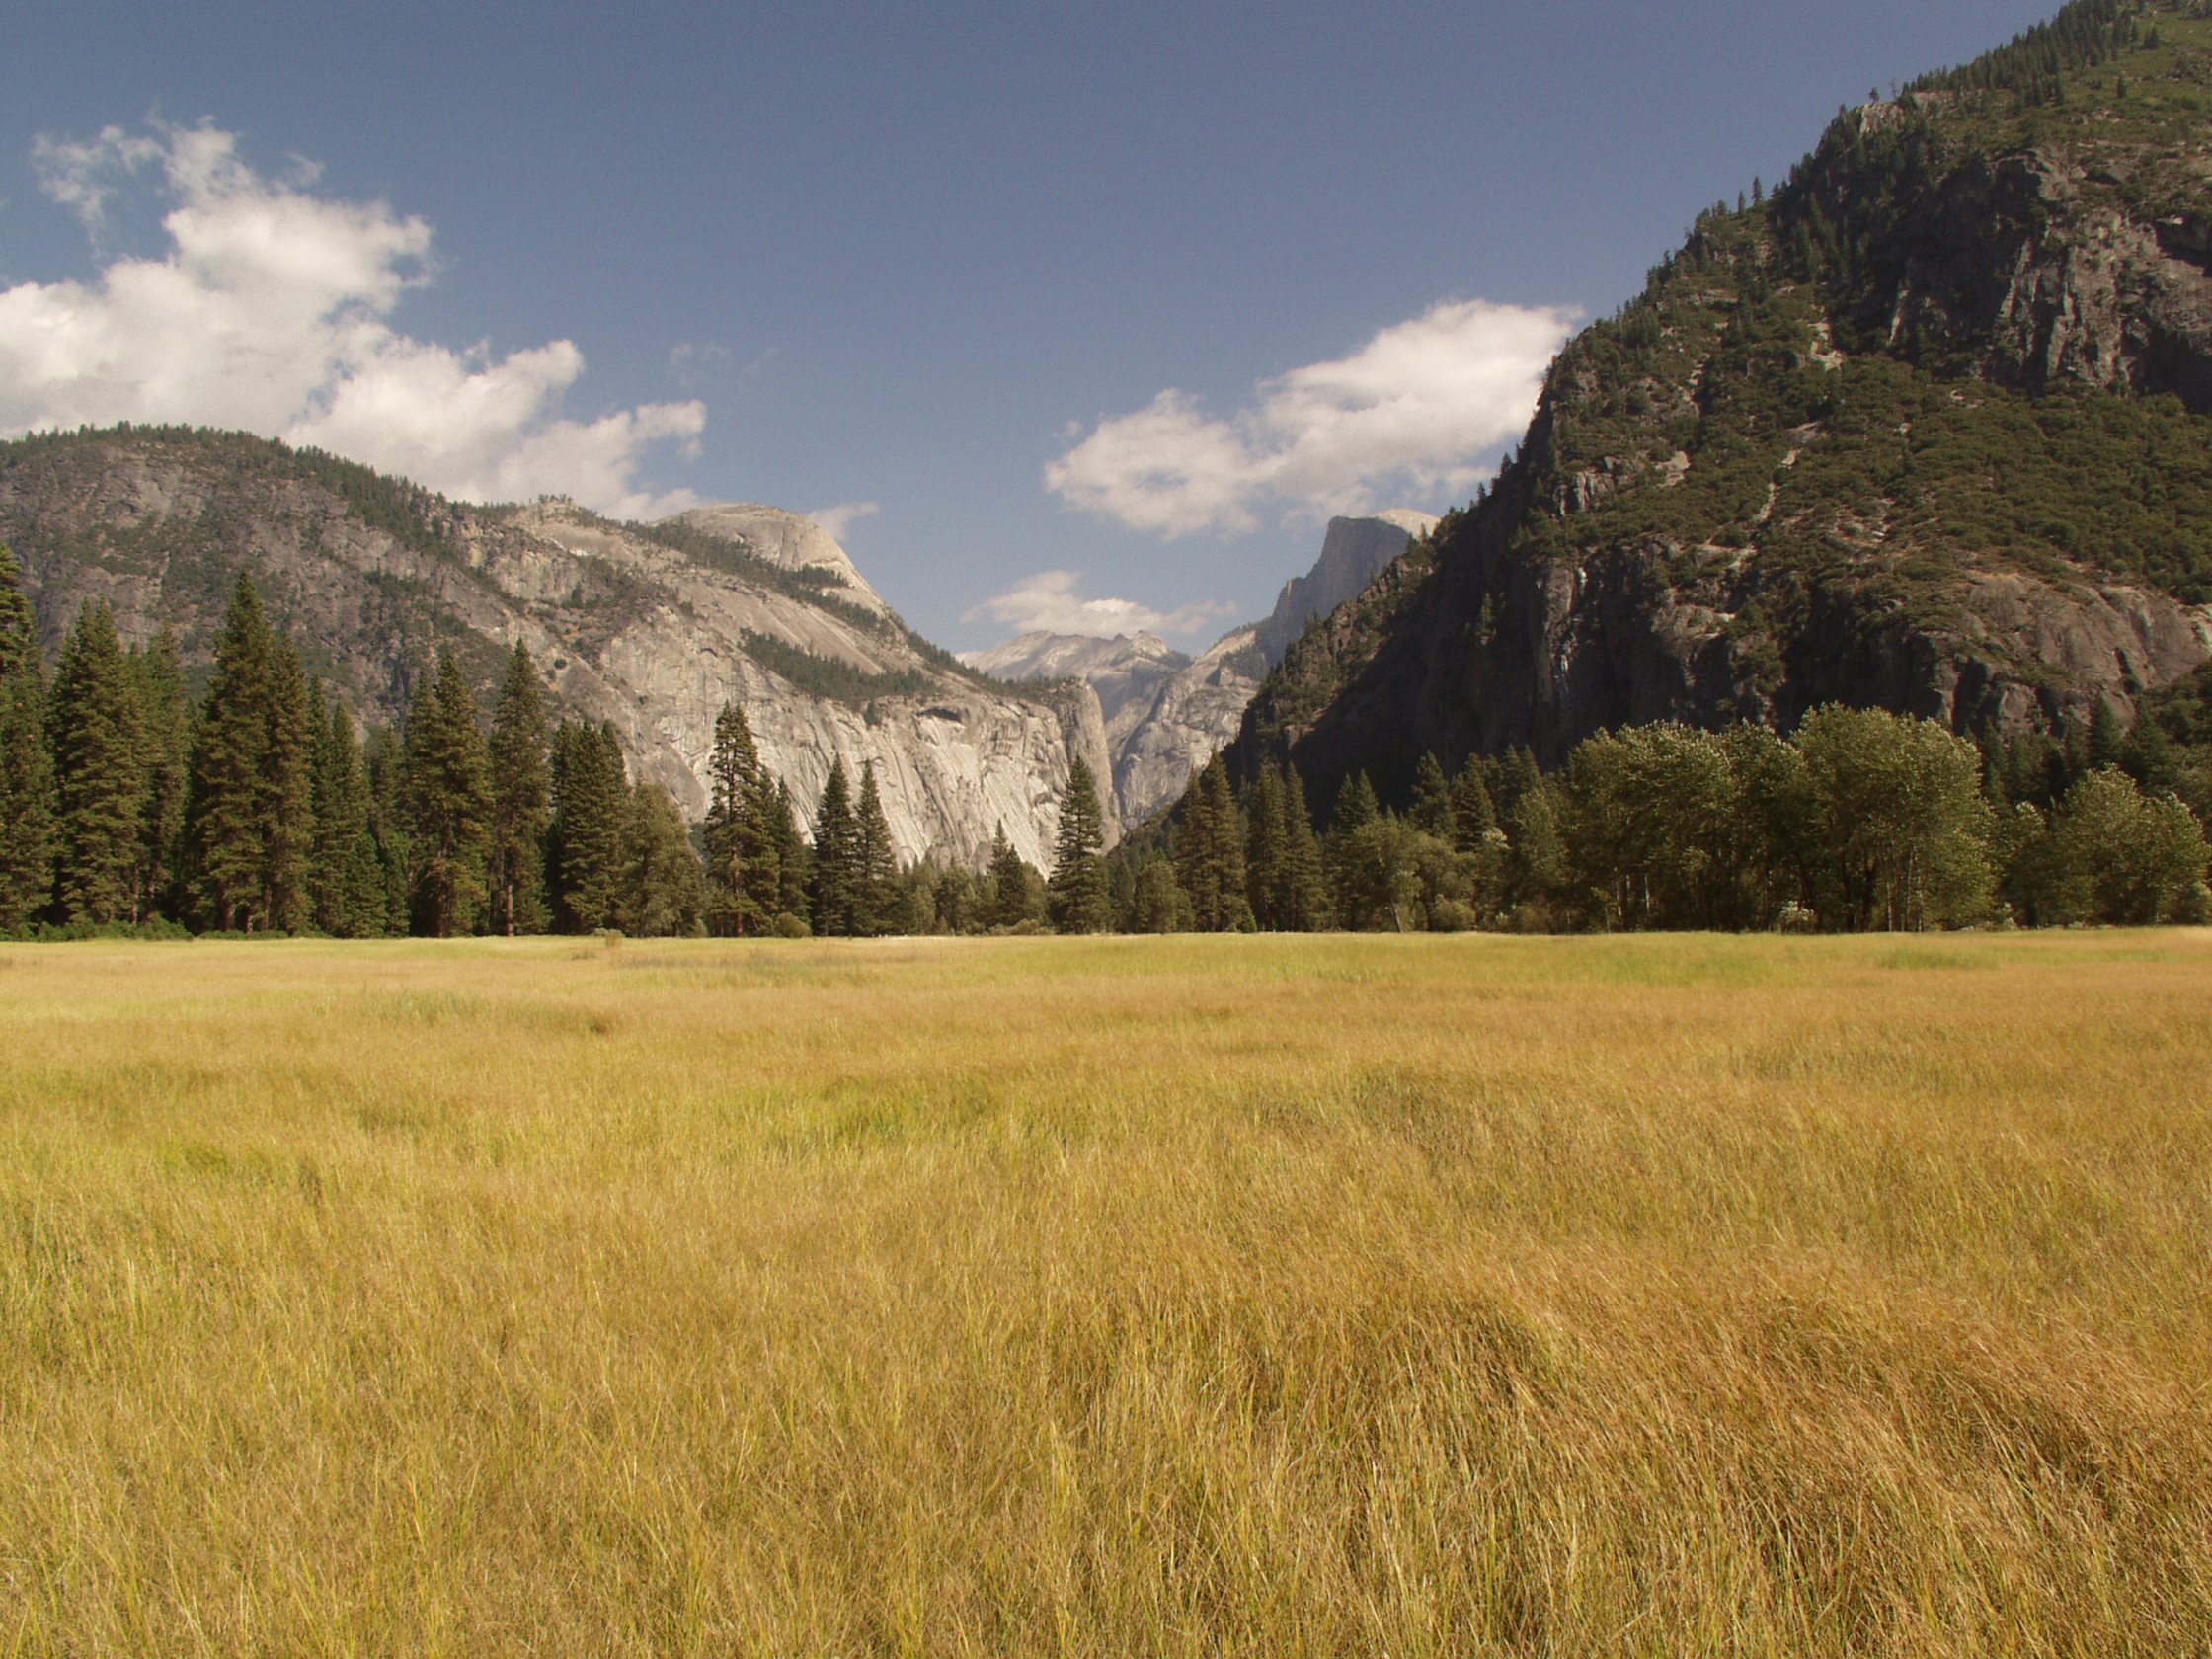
<point x="285" y="800"/>
<point x="100" y="781"/>
<point x="384" y="766"/>
<point x="224" y="790"/>
<point x="1009" y="883"/>
<point x="449" y="803"/>
<point x="661" y="894"/>
<point x="521" y="785"/>
<point x="1077" y="891"/>
<point x="1264" y="847"/>
<point x="165" y="744"/>
<point x="1210" y="853"/>
<point x="590" y="796"/>
<point x="1356" y="809"/>
<point x="2105" y="737"/>
<point x="347" y="889"/>
<point x="875" y="861"/>
<point x="1304" y="888"/>
<point x="1473" y="814"/>
<point x="1432" y="799"/>
<point x="794" y="858"/>
<point x="2148" y="757"/>
<point x="834" y="895"/>
<point x="25" y="762"/>
<point x="744" y="844"/>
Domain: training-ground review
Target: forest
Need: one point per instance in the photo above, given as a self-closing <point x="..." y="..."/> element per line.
<point x="264" y="811"/>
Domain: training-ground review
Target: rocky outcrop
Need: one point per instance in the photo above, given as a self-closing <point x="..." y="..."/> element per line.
<point x="1924" y="431"/>
<point x="1194" y="714"/>
<point x="1126" y="671"/>
<point x="651" y="628"/>
<point x="1353" y="553"/>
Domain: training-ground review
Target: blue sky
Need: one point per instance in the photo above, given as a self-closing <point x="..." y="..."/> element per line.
<point x="1086" y="315"/>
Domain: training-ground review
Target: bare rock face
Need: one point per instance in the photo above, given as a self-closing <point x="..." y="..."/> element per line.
<point x="1127" y="671"/>
<point x="1353" y="553"/>
<point x="1194" y="714"/>
<point x="651" y="628"/>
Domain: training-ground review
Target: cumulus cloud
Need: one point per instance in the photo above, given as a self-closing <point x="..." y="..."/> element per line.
<point x="841" y="518"/>
<point x="1412" y="412"/>
<point x="269" y="311"/>
<point x="1048" y="602"/>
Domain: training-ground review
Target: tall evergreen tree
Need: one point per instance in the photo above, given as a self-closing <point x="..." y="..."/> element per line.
<point x="833" y="897"/>
<point x="285" y="800"/>
<point x="1078" y="893"/>
<point x="346" y="889"/>
<point x="1210" y="853"/>
<point x="100" y="782"/>
<point x="1473" y="814"/>
<point x="165" y="749"/>
<point x="26" y="805"/>
<point x="522" y="783"/>
<point x="223" y="805"/>
<point x="1009" y="883"/>
<point x="449" y="801"/>
<point x="742" y="843"/>
<point x="2105" y="737"/>
<point x="1432" y="799"/>
<point x="589" y="796"/>
<point x="875" y="863"/>
<point x="1304" y="886"/>
<point x="385" y="764"/>
<point x="1264" y="848"/>
<point x="794" y="858"/>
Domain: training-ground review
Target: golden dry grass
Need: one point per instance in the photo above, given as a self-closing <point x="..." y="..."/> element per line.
<point x="1169" y="1297"/>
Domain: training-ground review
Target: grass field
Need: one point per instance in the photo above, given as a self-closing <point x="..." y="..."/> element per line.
<point x="1265" y="1296"/>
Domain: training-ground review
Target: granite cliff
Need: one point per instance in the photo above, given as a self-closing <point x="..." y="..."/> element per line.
<point x="652" y="627"/>
<point x="1929" y="428"/>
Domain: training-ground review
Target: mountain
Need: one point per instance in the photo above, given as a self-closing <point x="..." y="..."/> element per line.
<point x="1167" y="713"/>
<point x="1928" y="428"/>
<point x="652" y="627"/>
<point x="1353" y="554"/>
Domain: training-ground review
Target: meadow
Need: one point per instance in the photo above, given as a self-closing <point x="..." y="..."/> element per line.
<point x="1467" y="1295"/>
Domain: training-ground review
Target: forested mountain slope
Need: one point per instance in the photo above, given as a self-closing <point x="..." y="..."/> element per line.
<point x="652" y="627"/>
<point x="1927" y="429"/>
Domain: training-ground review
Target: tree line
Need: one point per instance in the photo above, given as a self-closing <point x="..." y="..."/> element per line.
<point x="262" y="808"/>
<point x="1859" y="820"/>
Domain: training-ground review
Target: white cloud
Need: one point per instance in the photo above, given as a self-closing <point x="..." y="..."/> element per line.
<point x="1048" y="602"/>
<point x="1410" y="413"/>
<point x="270" y="312"/>
<point x="841" y="518"/>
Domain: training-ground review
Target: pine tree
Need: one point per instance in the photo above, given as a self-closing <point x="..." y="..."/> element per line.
<point x="165" y="747"/>
<point x="2105" y="737"/>
<point x="589" y="796"/>
<point x="1264" y="846"/>
<point x="521" y="785"/>
<point x="285" y="800"/>
<point x="662" y="893"/>
<point x="1432" y="799"/>
<point x="223" y="797"/>
<point x="1473" y="815"/>
<point x="1009" y="883"/>
<point x="100" y="782"/>
<point x="834" y="895"/>
<point x="346" y="888"/>
<point x="1210" y="853"/>
<point x="2148" y="757"/>
<point x="385" y="764"/>
<point x="1077" y="891"/>
<point x="27" y="804"/>
<point x="449" y="803"/>
<point x="794" y="858"/>
<point x="1305" y="886"/>
<point x="743" y="845"/>
<point x="875" y="861"/>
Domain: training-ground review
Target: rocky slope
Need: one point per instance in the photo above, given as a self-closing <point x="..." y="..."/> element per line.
<point x="1927" y="429"/>
<point x="652" y="627"/>
<point x="1353" y="553"/>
